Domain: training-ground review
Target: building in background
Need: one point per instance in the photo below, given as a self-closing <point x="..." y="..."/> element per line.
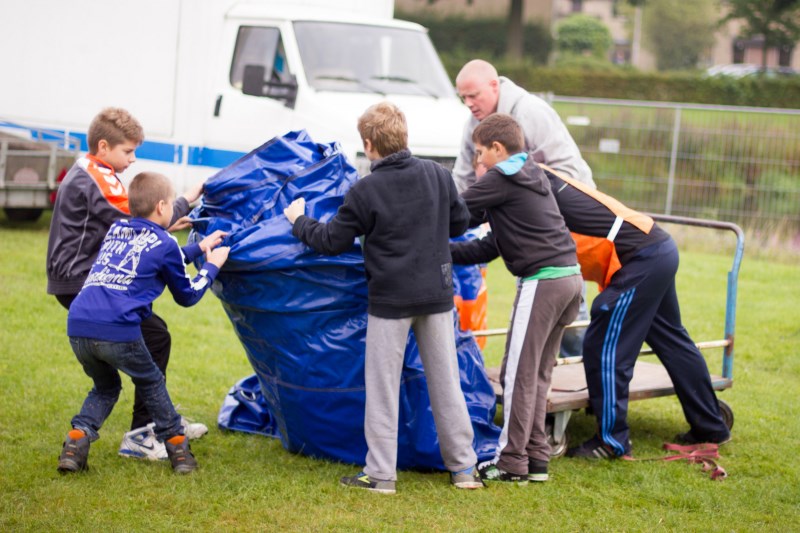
<point x="623" y="22"/>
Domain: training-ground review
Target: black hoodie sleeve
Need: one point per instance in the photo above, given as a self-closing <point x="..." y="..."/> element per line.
<point x="336" y="236"/>
<point x="459" y="214"/>
<point x="474" y="252"/>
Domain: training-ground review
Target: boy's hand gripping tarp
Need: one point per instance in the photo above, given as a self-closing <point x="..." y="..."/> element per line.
<point x="301" y="316"/>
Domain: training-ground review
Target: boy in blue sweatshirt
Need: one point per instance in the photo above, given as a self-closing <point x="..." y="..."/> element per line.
<point x="137" y="259"/>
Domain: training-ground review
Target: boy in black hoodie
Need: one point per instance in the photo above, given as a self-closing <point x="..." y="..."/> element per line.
<point x="407" y="210"/>
<point x="529" y="233"/>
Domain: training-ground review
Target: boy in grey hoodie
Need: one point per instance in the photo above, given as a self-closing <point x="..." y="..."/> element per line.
<point x="529" y="233"/>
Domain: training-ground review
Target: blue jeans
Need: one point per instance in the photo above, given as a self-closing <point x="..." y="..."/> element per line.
<point x="102" y="361"/>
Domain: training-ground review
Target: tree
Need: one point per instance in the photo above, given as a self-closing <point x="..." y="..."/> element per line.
<point x="583" y="35"/>
<point x="516" y="25"/>
<point x="777" y="21"/>
<point x="678" y="32"/>
<point x="515" y="29"/>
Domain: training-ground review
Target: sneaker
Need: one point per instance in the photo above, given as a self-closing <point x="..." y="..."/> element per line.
<point x="490" y="472"/>
<point x="467" y="479"/>
<point x="594" y="448"/>
<point x="363" y="481"/>
<point x="689" y="438"/>
<point x="180" y="454"/>
<point x="537" y="470"/>
<point x="74" y="452"/>
<point x="141" y="443"/>
<point x="193" y="430"/>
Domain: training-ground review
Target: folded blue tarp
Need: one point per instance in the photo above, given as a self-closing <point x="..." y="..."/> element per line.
<point x="301" y="316"/>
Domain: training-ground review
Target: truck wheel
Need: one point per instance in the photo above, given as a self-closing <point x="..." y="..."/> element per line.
<point x="23" y="214"/>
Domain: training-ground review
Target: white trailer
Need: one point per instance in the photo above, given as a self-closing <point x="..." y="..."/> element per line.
<point x="212" y="79"/>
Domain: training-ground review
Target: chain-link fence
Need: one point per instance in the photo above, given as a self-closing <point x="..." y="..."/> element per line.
<point x="727" y="163"/>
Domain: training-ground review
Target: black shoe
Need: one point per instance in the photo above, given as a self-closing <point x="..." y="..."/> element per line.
<point x="363" y="481"/>
<point x="74" y="452"/>
<point x="595" y="448"/>
<point x="180" y="454"/>
<point x="490" y="472"/>
<point x="689" y="438"/>
<point x="537" y="470"/>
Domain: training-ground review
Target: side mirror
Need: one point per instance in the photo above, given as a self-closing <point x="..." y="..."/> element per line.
<point x="254" y="82"/>
<point x="283" y="90"/>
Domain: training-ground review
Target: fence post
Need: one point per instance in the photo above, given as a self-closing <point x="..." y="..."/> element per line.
<point x="673" y="159"/>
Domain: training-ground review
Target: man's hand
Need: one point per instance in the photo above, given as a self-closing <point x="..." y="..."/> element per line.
<point x="180" y="224"/>
<point x="295" y="209"/>
<point x="212" y="241"/>
<point x="194" y="193"/>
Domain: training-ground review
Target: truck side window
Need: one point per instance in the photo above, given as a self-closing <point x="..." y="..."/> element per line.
<point x="262" y="46"/>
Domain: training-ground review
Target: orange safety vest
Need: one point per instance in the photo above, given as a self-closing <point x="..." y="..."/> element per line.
<point x="598" y="255"/>
<point x="473" y="313"/>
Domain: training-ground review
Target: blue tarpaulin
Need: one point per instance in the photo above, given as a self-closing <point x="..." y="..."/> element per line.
<point x="301" y="316"/>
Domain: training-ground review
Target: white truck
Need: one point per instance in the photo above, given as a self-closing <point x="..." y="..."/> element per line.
<point x="212" y="79"/>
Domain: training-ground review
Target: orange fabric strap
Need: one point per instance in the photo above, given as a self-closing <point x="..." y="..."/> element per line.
<point x="635" y="218"/>
<point x="106" y="179"/>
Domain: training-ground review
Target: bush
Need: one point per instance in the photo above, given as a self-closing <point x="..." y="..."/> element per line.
<point x="584" y="35"/>
<point x="628" y="84"/>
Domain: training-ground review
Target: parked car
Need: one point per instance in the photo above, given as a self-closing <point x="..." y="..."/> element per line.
<point x="741" y="70"/>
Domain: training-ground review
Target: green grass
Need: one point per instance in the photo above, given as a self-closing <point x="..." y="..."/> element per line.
<point x="250" y="483"/>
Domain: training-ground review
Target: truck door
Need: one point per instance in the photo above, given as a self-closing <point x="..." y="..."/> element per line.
<point x="255" y="95"/>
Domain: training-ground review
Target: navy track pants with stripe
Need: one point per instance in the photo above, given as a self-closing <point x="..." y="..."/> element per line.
<point x="641" y="304"/>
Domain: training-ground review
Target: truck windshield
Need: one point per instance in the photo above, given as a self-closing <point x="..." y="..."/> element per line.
<point x="362" y="58"/>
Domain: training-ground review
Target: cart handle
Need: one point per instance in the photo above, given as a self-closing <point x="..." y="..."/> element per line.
<point x="730" y="303"/>
<point x="733" y="279"/>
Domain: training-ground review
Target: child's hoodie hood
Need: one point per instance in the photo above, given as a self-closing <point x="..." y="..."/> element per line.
<point x="522" y="170"/>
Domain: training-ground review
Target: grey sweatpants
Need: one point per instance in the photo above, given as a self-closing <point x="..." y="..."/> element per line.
<point x="386" y="343"/>
<point x="542" y="309"/>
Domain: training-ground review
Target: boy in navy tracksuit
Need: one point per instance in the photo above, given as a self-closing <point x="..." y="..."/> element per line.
<point x="407" y="210"/>
<point x="529" y="233"/>
<point x="638" y="303"/>
<point x="137" y="259"/>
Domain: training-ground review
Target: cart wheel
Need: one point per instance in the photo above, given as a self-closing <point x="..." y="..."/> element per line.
<point x="727" y="413"/>
<point x="556" y="449"/>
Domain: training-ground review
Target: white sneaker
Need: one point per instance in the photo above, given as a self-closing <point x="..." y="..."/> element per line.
<point x="141" y="443"/>
<point x="193" y="430"/>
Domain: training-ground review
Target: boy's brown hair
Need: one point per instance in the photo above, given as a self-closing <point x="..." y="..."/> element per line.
<point x="500" y="128"/>
<point x="384" y="125"/>
<point x="146" y="190"/>
<point x="116" y="126"/>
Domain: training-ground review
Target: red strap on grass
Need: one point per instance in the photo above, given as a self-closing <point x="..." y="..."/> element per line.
<point x="704" y="454"/>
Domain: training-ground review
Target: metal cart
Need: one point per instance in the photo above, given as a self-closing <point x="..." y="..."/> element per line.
<point x="568" y="390"/>
<point x="32" y="162"/>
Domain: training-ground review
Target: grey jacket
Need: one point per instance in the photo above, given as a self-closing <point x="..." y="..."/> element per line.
<point x="546" y="137"/>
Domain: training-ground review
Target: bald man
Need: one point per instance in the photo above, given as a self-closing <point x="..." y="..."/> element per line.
<point x="546" y="137"/>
